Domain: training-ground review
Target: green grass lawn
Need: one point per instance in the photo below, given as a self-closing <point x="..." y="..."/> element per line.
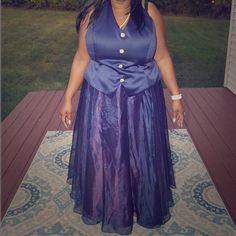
<point x="38" y="48"/>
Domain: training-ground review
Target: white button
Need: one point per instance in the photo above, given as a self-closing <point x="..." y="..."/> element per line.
<point x="122" y="35"/>
<point x="122" y="50"/>
<point x="122" y="80"/>
<point x="120" y="66"/>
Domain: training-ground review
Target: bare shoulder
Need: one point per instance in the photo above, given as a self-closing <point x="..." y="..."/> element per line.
<point x="159" y="22"/>
<point x="87" y="16"/>
<point x="154" y="12"/>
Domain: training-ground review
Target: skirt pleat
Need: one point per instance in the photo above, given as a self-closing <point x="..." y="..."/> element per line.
<point x="120" y="161"/>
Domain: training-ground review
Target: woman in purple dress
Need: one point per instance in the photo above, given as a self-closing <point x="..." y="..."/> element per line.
<point x="120" y="162"/>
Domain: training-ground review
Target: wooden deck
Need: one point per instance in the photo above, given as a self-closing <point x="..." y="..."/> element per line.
<point x="210" y="120"/>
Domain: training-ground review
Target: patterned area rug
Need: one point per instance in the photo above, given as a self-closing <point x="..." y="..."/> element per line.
<point x="42" y="205"/>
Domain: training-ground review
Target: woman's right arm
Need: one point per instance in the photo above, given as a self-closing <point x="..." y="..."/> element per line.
<point x="79" y="64"/>
<point x="80" y="61"/>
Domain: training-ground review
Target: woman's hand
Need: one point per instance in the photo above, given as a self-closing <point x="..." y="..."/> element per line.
<point x="65" y="113"/>
<point x="178" y="112"/>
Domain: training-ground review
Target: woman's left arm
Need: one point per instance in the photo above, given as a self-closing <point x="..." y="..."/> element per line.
<point x="164" y="61"/>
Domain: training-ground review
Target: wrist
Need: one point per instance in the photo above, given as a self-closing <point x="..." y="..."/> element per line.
<point x="68" y="96"/>
<point x="68" y="99"/>
<point x="177" y="101"/>
<point x="176" y="97"/>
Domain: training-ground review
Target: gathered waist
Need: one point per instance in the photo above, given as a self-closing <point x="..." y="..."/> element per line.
<point x="106" y="76"/>
<point x="126" y="66"/>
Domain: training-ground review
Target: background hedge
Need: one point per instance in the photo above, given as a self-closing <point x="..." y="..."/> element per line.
<point x="211" y="8"/>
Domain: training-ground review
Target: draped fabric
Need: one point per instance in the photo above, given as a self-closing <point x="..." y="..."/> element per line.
<point x="120" y="161"/>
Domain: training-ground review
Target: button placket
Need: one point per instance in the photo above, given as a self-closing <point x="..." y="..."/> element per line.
<point x="122" y="80"/>
<point x="122" y="51"/>
<point x="122" y="34"/>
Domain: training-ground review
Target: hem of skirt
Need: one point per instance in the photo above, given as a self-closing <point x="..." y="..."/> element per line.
<point x="173" y="186"/>
<point x="90" y="221"/>
<point x="166" y="219"/>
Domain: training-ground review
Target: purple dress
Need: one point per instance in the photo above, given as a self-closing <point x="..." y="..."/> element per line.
<point x="120" y="161"/>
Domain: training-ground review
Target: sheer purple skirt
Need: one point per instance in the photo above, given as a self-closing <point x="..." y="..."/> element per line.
<point x="120" y="162"/>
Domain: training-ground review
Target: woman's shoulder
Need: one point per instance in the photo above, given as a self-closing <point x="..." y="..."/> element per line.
<point x="154" y="12"/>
<point x="152" y="8"/>
<point x="91" y="9"/>
<point x="86" y="15"/>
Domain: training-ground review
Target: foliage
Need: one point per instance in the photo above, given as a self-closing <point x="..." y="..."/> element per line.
<point x="214" y="8"/>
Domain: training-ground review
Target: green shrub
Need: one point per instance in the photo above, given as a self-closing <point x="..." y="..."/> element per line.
<point x="214" y="8"/>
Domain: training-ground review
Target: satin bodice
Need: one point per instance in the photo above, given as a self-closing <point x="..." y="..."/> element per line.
<point x="121" y="57"/>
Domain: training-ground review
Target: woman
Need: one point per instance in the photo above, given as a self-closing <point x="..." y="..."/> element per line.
<point x="120" y="161"/>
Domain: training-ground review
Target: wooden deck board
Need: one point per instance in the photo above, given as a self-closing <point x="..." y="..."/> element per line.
<point x="225" y="127"/>
<point x="9" y="120"/>
<point x="16" y="134"/>
<point x="209" y="119"/>
<point x="204" y="142"/>
<point x="222" y="109"/>
<point x="216" y="130"/>
<point x="26" y="143"/>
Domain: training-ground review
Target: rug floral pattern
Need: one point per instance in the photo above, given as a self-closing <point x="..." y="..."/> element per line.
<point x="42" y="205"/>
